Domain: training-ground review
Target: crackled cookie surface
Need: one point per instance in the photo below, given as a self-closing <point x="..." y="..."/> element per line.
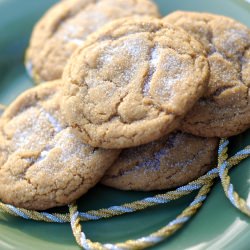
<point x="172" y="161"/>
<point x="65" y="27"/>
<point x="225" y="108"/>
<point x="132" y="82"/>
<point x="43" y="163"/>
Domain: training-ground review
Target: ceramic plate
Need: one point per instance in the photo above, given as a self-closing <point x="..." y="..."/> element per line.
<point x="217" y="225"/>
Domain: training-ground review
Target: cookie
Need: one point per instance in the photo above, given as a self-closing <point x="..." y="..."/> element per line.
<point x="172" y="161"/>
<point x="43" y="161"/>
<point x="65" y="27"/>
<point x="224" y="110"/>
<point x="132" y="82"/>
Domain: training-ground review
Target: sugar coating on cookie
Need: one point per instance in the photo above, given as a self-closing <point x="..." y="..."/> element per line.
<point x="65" y="27"/>
<point x="132" y="82"/>
<point x="225" y="108"/>
<point x="172" y="161"/>
<point x="43" y="161"/>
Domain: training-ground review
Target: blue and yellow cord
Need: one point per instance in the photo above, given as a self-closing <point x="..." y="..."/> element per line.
<point x="203" y="184"/>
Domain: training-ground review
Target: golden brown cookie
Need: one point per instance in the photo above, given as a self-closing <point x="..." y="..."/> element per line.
<point x="132" y="82"/>
<point x="172" y="161"/>
<point x="225" y="108"/>
<point x="43" y="161"/>
<point x="65" y="27"/>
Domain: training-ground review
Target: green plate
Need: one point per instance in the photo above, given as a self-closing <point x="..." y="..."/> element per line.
<point x="217" y="225"/>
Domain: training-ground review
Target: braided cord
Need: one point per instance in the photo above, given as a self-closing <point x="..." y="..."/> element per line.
<point x="142" y="242"/>
<point x="113" y="210"/>
<point x="174" y="225"/>
<point x="223" y="168"/>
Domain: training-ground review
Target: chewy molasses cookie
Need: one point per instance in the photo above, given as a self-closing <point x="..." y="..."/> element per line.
<point x="170" y="162"/>
<point x="132" y="82"/>
<point x="65" y="27"/>
<point x="43" y="161"/>
<point x="225" y="108"/>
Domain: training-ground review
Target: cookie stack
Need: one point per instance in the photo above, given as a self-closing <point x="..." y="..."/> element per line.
<point x="124" y="97"/>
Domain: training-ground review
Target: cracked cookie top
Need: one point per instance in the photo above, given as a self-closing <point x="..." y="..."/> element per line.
<point x="65" y="27"/>
<point x="224" y="110"/>
<point x="43" y="161"/>
<point x="172" y="161"/>
<point x="132" y="82"/>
